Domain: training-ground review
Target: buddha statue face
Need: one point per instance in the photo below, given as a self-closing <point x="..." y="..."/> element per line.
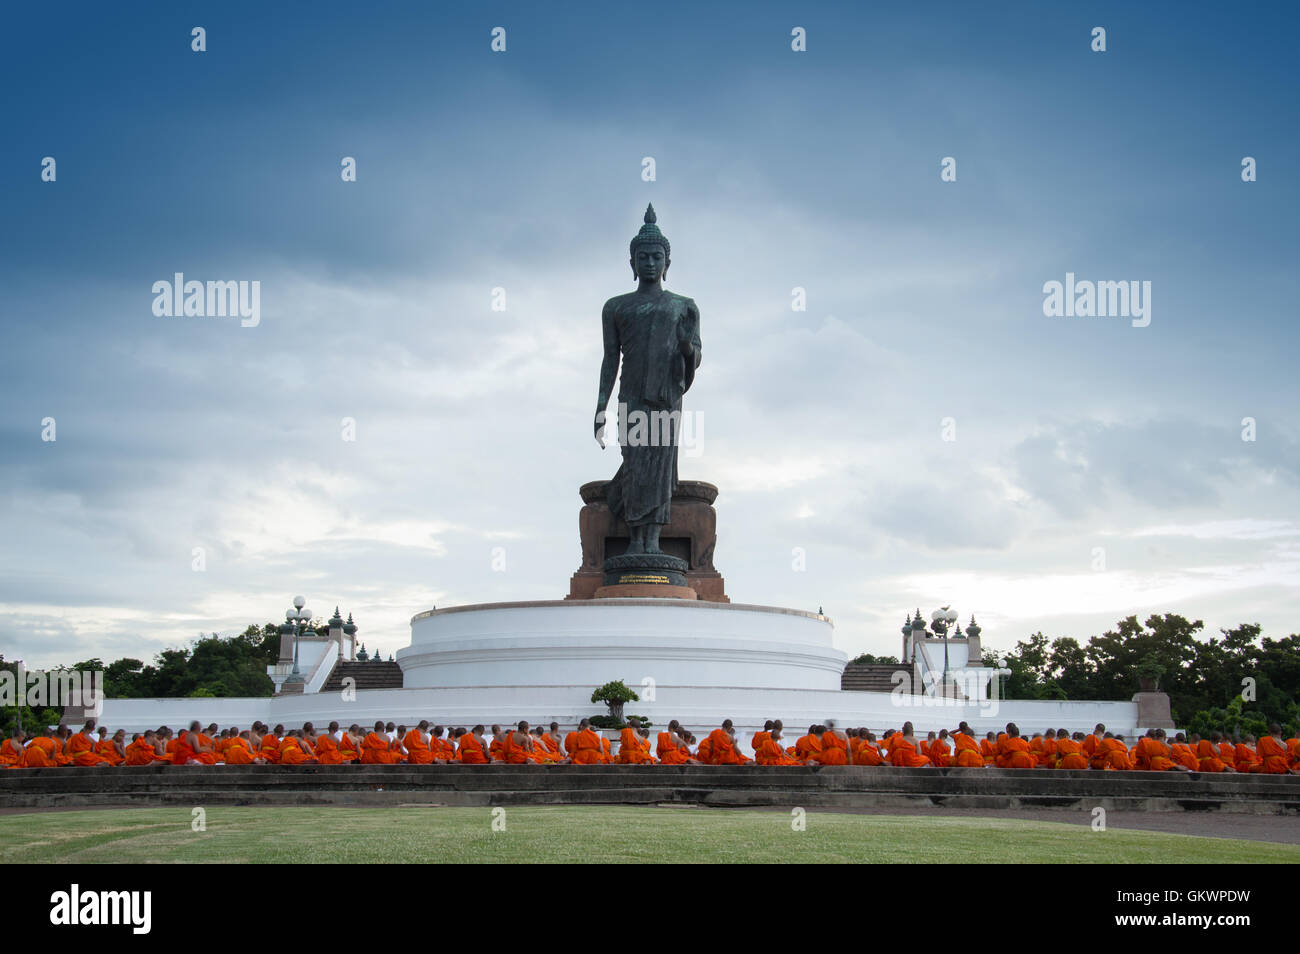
<point x="650" y="263"/>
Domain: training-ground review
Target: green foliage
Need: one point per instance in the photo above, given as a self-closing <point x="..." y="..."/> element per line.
<point x="614" y="693"/>
<point x="866" y="659"/>
<point x="613" y="722"/>
<point x="1202" y="676"/>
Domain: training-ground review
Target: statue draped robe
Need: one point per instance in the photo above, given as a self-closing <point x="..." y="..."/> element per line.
<point x="648" y="332"/>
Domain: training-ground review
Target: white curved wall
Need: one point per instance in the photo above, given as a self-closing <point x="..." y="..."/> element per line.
<point x="590" y="642"/>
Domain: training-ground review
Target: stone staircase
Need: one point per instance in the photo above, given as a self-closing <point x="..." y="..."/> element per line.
<point x="869" y="677"/>
<point x="366" y="675"/>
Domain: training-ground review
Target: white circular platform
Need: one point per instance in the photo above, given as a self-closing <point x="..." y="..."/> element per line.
<point x="659" y="642"/>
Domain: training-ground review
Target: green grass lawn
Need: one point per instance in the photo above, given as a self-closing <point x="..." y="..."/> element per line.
<point x="587" y="834"/>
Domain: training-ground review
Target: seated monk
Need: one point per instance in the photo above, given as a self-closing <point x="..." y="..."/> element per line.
<point x="587" y="748"/>
<point x="350" y="743"/>
<point x="761" y="736"/>
<point x="605" y="750"/>
<point x="1207" y="754"/>
<point x="722" y="746"/>
<point x="902" y="750"/>
<point x="1112" y="753"/>
<point x="444" y="744"/>
<point x="376" y="748"/>
<point x="1090" y="744"/>
<point x="1044" y="750"/>
<point x="668" y="747"/>
<point x="867" y="753"/>
<point x="703" y="751"/>
<point x="1152" y="755"/>
<point x="496" y="748"/>
<point x="240" y="751"/>
<point x="327" y="746"/>
<point x="416" y="743"/>
<point x="1246" y="759"/>
<point x="292" y="750"/>
<point x="113" y="749"/>
<point x="11" y="750"/>
<point x="770" y="751"/>
<point x="207" y="739"/>
<point x="1070" y="752"/>
<point x="940" y="751"/>
<point x="40" y="751"/>
<point x="1272" y="751"/>
<point x="270" y="745"/>
<point x="1227" y="751"/>
<point x="989" y="749"/>
<point x="966" y="748"/>
<point x="835" y="747"/>
<point x="517" y="746"/>
<point x="810" y="745"/>
<point x="555" y="742"/>
<point x="469" y="748"/>
<point x="80" y="748"/>
<point x="1013" y="751"/>
<point x="395" y="733"/>
<point x="143" y="750"/>
<point x="1181" y="752"/>
<point x="190" y="751"/>
<point x="629" y="745"/>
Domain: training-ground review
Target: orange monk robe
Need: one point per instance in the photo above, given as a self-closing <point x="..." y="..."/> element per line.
<point x="669" y="752"/>
<point x="1113" y="754"/>
<point x="604" y="749"/>
<point x="537" y="753"/>
<point x="968" y="751"/>
<point x="496" y="750"/>
<point x="347" y="749"/>
<point x="11" y="753"/>
<point x="1090" y="743"/>
<point x="41" y="752"/>
<point x="988" y="751"/>
<point x="867" y="754"/>
<point x="1183" y="755"/>
<point x="1207" y="754"/>
<point x="81" y="751"/>
<point x="723" y="749"/>
<point x="807" y="745"/>
<point x="1272" y="755"/>
<point x="1071" y="753"/>
<point x="1014" y="753"/>
<point x="239" y="751"/>
<point x="835" y="751"/>
<point x="939" y="754"/>
<point x="570" y="742"/>
<point x="1152" y="756"/>
<point x="1228" y="753"/>
<point x="704" y="751"/>
<point x="270" y="749"/>
<point x="1045" y="753"/>
<point x="629" y="749"/>
<point x="140" y="752"/>
<point x="587" y="749"/>
<point x="446" y="749"/>
<point x="376" y="750"/>
<point x="1246" y="759"/>
<point x="292" y="752"/>
<point x="770" y="753"/>
<point x="107" y="750"/>
<point x="924" y="746"/>
<point x="1293" y="747"/>
<point x="212" y="750"/>
<point x="327" y="751"/>
<point x="417" y="750"/>
<point x="759" y="738"/>
<point x="184" y="753"/>
<point x="903" y="754"/>
<point x="470" y="750"/>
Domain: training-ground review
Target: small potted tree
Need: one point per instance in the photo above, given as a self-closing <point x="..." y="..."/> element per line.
<point x="615" y="695"/>
<point x="1149" y="671"/>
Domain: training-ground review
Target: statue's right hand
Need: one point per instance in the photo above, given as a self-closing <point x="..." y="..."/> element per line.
<point x="599" y="428"/>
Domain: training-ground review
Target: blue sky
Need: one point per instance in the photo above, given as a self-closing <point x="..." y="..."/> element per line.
<point x="522" y="170"/>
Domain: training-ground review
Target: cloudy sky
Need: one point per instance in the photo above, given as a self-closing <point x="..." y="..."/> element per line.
<point x="522" y="170"/>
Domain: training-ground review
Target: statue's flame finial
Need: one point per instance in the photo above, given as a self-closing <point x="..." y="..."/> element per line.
<point x="650" y="216"/>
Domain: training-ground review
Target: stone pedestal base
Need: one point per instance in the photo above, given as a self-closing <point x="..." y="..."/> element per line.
<point x="658" y="591"/>
<point x="1153" y="711"/>
<point x="651" y="569"/>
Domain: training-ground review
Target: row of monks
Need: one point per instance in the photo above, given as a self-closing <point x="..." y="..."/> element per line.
<point x="825" y="744"/>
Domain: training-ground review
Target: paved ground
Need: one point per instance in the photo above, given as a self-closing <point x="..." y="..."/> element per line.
<point x="1280" y="829"/>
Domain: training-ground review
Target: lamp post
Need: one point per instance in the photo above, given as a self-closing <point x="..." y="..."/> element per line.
<point x="940" y="620"/>
<point x="295" y="621"/>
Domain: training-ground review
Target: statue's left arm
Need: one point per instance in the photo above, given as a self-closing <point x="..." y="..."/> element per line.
<point x="690" y="341"/>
